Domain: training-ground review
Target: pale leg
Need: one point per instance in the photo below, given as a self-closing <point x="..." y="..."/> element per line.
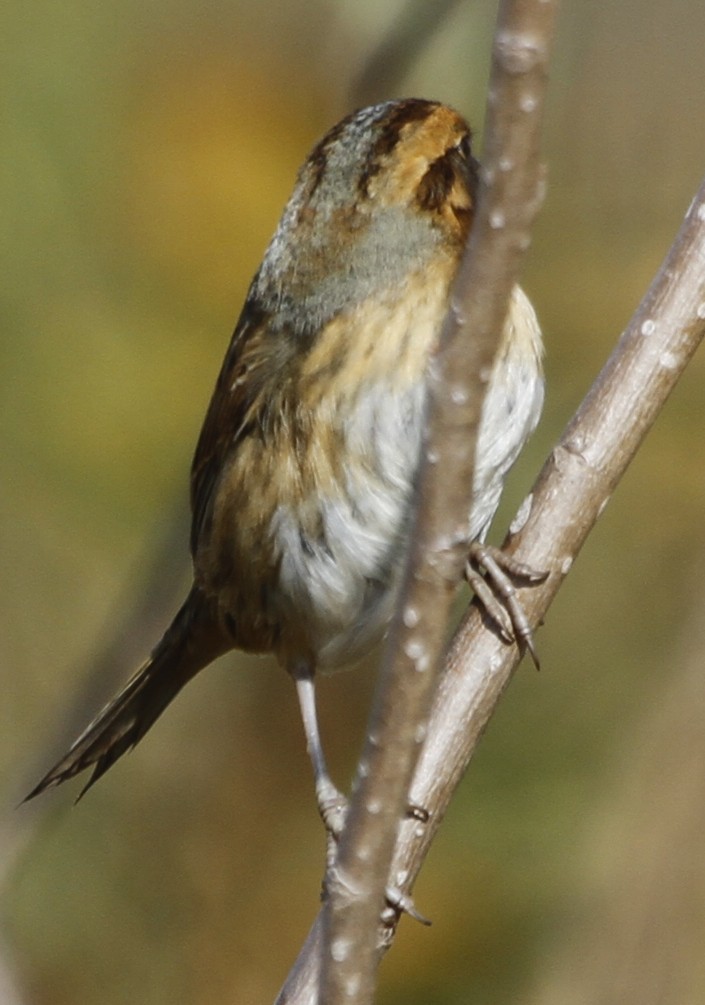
<point x="332" y="805"/>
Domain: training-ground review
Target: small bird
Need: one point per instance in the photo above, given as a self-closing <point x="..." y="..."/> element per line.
<point x="303" y="475"/>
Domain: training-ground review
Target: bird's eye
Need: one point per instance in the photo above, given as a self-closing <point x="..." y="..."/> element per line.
<point x="463" y="147"/>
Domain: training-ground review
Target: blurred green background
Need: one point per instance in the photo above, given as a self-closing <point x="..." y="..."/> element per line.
<point x="147" y="152"/>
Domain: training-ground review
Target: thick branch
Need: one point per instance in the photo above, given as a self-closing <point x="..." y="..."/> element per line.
<point x="508" y="201"/>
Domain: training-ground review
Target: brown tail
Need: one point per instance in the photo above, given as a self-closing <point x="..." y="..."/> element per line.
<point x="193" y="640"/>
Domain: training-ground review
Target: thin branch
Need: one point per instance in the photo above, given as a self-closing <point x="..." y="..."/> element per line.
<point x="510" y="195"/>
<point x="571" y="491"/>
<point x="399" y="49"/>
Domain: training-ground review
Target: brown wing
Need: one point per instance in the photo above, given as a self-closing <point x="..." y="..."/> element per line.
<point x="254" y="365"/>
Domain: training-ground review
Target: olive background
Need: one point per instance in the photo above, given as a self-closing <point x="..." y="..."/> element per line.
<point x="147" y="153"/>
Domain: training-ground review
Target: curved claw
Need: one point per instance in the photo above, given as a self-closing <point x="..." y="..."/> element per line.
<point x="498" y="596"/>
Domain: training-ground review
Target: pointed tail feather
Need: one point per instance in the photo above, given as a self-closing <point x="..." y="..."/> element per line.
<point x="193" y="640"/>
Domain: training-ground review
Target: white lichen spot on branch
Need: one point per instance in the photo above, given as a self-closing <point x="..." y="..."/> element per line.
<point x="669" y="360"/>
<point x="418" y="654"/>
<point x="519" y="51"/>
<point x="340" y="949"/>
<point x="421" y="731"/>
<point x="413" y="649"/>
<point x="497" y="219"/>
<point x="528" y="102"/>
<point x="411" y="617"/>
<point x="352" y="985"/>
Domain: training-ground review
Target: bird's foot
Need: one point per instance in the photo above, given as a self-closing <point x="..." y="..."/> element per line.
<point x="333" y="808"/>
<point x="497" y="594"/>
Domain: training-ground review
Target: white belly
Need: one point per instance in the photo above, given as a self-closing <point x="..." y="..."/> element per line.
<point x="347" y="577"/>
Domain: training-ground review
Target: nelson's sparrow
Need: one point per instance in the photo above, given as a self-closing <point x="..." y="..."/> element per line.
<point x="302" y="478"/>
